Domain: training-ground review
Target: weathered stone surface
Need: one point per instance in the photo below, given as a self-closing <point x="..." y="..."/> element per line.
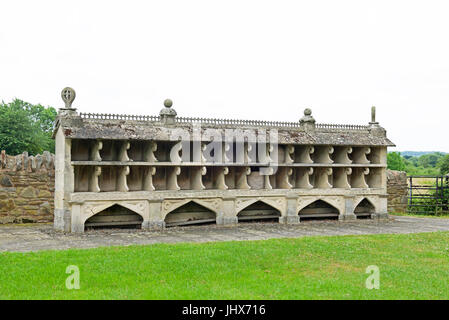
<point x="7" y="205"/>
<point x="397" y="191"/>
<point x="121" y="129"/>
<point x="26" y="190"/>
<point x="44" y="194"/>
<point x="5" y="181"/>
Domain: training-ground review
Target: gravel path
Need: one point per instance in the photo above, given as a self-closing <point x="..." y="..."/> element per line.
<point x="36" y="237"/>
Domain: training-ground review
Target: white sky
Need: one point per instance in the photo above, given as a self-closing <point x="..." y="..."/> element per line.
<point x="264" y="60"/>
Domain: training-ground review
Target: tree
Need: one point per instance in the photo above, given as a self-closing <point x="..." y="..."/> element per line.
<point x="430" y="160"/>
<point x="443" y="164"/>
<point x="26" y="127"/>
<point x="395" y="161"/>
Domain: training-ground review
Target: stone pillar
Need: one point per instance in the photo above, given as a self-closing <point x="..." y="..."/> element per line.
<point x="155" y="221"/>
<point x="64" y="171"/>
<point x="382" y="210"/>
<point x="291" y="216"/>
<point x="77" y="223"/>
<point x="227" y="214"/>
<point x="64" y="182"/>
<point x="348" y="213"/>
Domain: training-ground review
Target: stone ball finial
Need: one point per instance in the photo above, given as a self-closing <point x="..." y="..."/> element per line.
<point x="68" y="95"/>
<point x="168" y="111"/>
<point x="168" y="103"/>
<point x="307" y="117"/>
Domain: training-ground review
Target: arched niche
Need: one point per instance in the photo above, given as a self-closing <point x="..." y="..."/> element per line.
<point x="364" y="209"/>
<point x="115" y="216"/>
<point x="258" y="211"/>
<point x="319" y="209"/>
<point x="188" y="214"/>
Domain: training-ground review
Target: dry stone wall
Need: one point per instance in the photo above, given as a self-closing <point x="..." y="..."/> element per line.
<point x="27" y="186"/>
<point x="397" y="191"/>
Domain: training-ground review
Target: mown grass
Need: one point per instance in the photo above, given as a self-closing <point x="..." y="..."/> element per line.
<point x="414" y="266"/>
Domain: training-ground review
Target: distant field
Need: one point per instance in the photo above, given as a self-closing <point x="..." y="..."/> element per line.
<point x="412" y="266"/>
<point x="424" y="181"/>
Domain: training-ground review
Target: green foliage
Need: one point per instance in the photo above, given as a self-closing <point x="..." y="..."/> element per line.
<point x="395" y="161"/>
<point x="426" y="164"/>
<point x="443" y="164"/>
<point x="26" y="127"/>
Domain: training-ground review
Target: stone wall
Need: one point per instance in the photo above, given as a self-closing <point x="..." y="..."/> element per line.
<point x="27" y="185"/>
<point x="397" y="191"/>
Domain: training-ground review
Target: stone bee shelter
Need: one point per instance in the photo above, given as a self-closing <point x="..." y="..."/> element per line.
<point x="131" y="171"/>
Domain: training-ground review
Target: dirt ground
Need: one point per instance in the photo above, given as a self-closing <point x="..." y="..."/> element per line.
<point x="34" y="237"/>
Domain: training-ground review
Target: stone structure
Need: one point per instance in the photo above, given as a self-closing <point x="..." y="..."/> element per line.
<point x="160" y="171"/>
<point x="397" y="189"/>
<point x="26" y="188"/>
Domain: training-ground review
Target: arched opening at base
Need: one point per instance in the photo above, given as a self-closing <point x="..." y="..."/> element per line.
<point x="257" y="212"/>
<point x="114" y="217"/>
<point x="364" y="209"/>
<point x="319" y="210"/>
<point x="190" y="213"/>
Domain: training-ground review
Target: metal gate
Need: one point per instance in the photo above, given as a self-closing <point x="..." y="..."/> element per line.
<point x="428" y="195"/>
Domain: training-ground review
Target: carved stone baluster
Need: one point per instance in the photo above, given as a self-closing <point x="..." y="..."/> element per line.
<point x="226" y="150"/>
<point x="289" y="154"/>
<point x="172" y="178"/>
<point x="122" y="184"/>
<point x="342" y="155"/>
<point x="123" y="151"/>
<point x="250" y="153"/>
<point x="359" y="155"/>
<point x="203" y="149"/>
<point x="322" y="154"/>
<point x="303" y="154"/>
<point x="341" y="178"/>
<point x="93" y="179"/>
<point x="322" y="178"/>
<point x="242" y="178"/>
<point x="302" y="179"/>
<point x="264" y="153"/>
<point x="198" y="149"/>
<point x="148" y="179"/>
<point x="267" y="178"/>
<point x="271" y="153"/>
<point x="97" y="146"/>
<point x="175" y="153"/>
<point x="330" y="151"/>
<point x="358" y="179"/>
<point x="220" y="178"/>
<point x="367" y="152"/>
<point x="196" y="177"/>
<point x="150" y="149"/>
<point x="282" y="178"/>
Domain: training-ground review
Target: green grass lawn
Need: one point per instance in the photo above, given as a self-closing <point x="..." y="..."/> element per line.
<point x="405" y="214"/>
<point x="414" y="266"/>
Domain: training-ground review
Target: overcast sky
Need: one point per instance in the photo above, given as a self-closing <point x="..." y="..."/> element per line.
<point x="264" y="60"/>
